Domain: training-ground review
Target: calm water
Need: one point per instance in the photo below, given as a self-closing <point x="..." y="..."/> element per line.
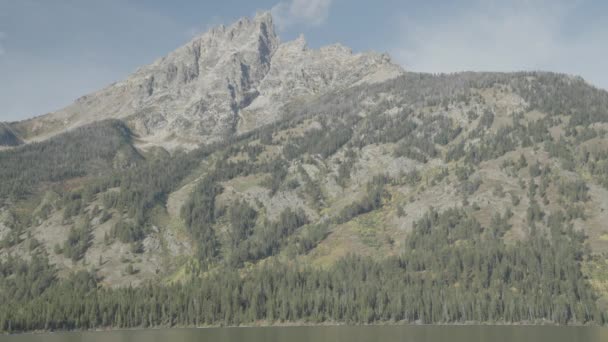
<point x="346" y="334"/>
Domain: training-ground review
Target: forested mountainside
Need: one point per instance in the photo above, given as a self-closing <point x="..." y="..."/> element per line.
<point x="7" y="136"/>
<point x="469" y="197"/>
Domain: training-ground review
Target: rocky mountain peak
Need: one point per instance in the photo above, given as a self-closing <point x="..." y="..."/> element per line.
<point x="225" y="81"/>
<point x="297" y="45"/>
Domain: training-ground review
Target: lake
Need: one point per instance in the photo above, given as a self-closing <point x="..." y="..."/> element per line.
<point x="338" y="334"/>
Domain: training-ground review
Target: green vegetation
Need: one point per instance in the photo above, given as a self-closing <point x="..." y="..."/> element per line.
<point x="88" y="150"/>
<point x="452" y="270"/>
<point x="416" y="148"/>
<point x="128" y="232"/>
<point x="379" y="129"/>
<point x="242" y="220"/>
<point x="147" y="185"/>
<point x="325" y="142"/>
<point x="269" y="238"/>
<point x="311" y="188"/>
<point x="78" y="241"/>
<point x="345" y="167"/>
<point x="373" y="199"/>
<point x="278" y="172"/>
<point x="574" y="191"/>
<point x="526" y="172"/>
<point x="199" y="215"/>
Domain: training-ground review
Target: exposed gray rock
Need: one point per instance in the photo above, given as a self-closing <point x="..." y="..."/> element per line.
<point x="228" y="80"/>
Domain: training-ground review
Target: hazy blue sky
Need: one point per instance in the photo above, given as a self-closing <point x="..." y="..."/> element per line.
<point x="53" y="51"/>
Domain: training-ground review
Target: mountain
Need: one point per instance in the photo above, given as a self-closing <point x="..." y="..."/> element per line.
<point x="226" y="81"/>
<point x="8" y="137"/>
<point x="243" y="180"/>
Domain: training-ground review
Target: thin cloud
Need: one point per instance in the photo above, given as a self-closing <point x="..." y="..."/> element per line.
<point x="493" y="36"/>
<point x="301" y="12"/>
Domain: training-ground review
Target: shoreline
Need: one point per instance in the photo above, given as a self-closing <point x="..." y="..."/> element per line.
<point x="263" y="324"/>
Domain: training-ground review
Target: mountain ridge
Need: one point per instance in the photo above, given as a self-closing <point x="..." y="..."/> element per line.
<point x="226" y="80"/>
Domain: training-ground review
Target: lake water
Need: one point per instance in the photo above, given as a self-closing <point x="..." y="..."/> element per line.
<point x="337" y="334"/>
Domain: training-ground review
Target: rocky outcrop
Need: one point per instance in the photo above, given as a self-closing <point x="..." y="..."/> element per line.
<point x="297" y="71"/>
<point x="228" y="80"/>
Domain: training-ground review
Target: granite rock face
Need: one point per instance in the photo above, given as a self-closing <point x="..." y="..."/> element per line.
<point x="226" y="81"/>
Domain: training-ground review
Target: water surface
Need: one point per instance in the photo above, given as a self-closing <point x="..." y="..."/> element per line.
<point x="334" y="334"/>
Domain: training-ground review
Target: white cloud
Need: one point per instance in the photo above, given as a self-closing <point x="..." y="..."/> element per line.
<point x="301" y="12"/>
<point x="505" y="36"/>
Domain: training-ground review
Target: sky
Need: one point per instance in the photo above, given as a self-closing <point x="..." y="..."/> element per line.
<point x="52" y="52"/>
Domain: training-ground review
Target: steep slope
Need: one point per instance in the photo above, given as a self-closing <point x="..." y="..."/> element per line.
<point x="441" y="176"/>
<point x="86" y="151"/>
<point x="196" y="93"/>
<point x="474" y="179"/>
<point x="297" y="72"/>
<point x="8" y="136"/>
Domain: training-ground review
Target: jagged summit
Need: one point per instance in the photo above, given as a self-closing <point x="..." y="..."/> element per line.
<point x="229" y="79"/>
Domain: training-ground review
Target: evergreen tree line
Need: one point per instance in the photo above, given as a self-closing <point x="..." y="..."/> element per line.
<point x="87" y="150"/>
<point x="373" y="199"/>
<point x="594" y="160"/>
<point x="325" y="142"/>
<point x="452" y="270"/>
<point x="266" y="239"/>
